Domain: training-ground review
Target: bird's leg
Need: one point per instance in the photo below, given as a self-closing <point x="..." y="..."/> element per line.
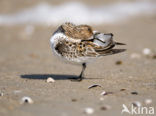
<point x="81" y="74"/>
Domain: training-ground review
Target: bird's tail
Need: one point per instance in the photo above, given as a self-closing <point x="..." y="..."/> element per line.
<point x="118" y="43"/>
<point x="105" y="44"/>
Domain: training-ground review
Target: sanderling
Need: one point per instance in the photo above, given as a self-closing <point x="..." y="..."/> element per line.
<point x="80" y="44"/>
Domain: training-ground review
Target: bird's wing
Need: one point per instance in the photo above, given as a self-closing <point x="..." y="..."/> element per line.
<point x="76" y="49"/>
<point x="85" y="49"/>
<point x="94" y="50"/>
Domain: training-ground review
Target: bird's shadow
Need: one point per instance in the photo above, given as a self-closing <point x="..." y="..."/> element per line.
<point x="54" y="76"/>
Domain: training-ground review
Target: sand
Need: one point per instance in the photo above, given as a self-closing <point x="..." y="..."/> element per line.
<point x="26" y="61"/>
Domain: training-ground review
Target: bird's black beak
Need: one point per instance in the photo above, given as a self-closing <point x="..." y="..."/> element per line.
<point x="118" y="43"/>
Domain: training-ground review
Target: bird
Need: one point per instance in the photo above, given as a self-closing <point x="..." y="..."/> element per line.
<point x="80" y="44"/>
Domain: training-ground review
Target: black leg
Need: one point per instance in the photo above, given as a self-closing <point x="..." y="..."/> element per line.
<point x="81" y="76"/>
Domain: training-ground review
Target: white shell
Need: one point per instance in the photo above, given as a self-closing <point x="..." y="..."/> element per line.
<point x="137" y="104"/>
<point x="50" y="80"/>
<point x="26" y="99"/>
<point x="89" y="110"/>
<point x="148" y="101"/>
<point x="1" y="94"/>
<point x="147" y="51"/>
<point x="103" y="93"/>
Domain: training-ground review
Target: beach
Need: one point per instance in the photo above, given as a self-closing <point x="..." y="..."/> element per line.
<point x="26" y="61"/>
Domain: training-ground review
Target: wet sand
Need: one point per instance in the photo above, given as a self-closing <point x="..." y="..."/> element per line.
<point x="26" y="61"/>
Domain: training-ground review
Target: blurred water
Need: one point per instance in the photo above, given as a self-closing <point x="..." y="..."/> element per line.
<point x="76" y="12"/>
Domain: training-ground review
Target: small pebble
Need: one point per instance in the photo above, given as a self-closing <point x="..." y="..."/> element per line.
<point x="136" y="104"/>
<point x="148" y="101"/>
<point x="26" y="99"/>
<point x="1" y="94"/>
<point x="106" y="93"/>
<point x="118" y="62"/>
<point x="89" y="110"/>
<point x="147" y="51"/>
<point x="95" y="85"/>
<point x="105" y="107"/>
<point x="74" y="100"/>
<point x="122" y="89"/>
<point x="135" y="56"/>
<point x="134" y="93"/>
<point x="154" y="56"/>
<point x="103" y="93"/>
<point x="50" y="80"/>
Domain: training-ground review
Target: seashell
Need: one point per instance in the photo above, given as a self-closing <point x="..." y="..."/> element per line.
<point x="50" y="80"/>
<point x="103" y="93"/>
<point x="1" y="94"/>
<point x="148" y="101"/>
<point x="26" y="99"/>
<point x="136" y="104"/>
<point x="89" y="110"/>
<point x="147" y="51"/>
<point x="106" y="93"/>
<point x="93" y="86"/>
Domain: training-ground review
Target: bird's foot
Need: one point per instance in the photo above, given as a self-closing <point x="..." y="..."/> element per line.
<point x="76" y="79"/>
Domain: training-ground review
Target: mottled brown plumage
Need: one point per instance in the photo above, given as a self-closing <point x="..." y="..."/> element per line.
<point x="74" y="50"/>
<point x="83" y="32"/>
<point x="80" y="44"/>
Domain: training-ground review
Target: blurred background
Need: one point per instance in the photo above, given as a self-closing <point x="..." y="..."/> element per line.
<point x="56" y="12"/>
<point x="25" y="29"/>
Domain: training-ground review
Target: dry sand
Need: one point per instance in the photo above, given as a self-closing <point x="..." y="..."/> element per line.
<point x="26" y="62"/>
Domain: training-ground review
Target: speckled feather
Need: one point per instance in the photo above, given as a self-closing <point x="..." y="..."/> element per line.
<point x="75" y="49"/>
<point x="80" y="43"/>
